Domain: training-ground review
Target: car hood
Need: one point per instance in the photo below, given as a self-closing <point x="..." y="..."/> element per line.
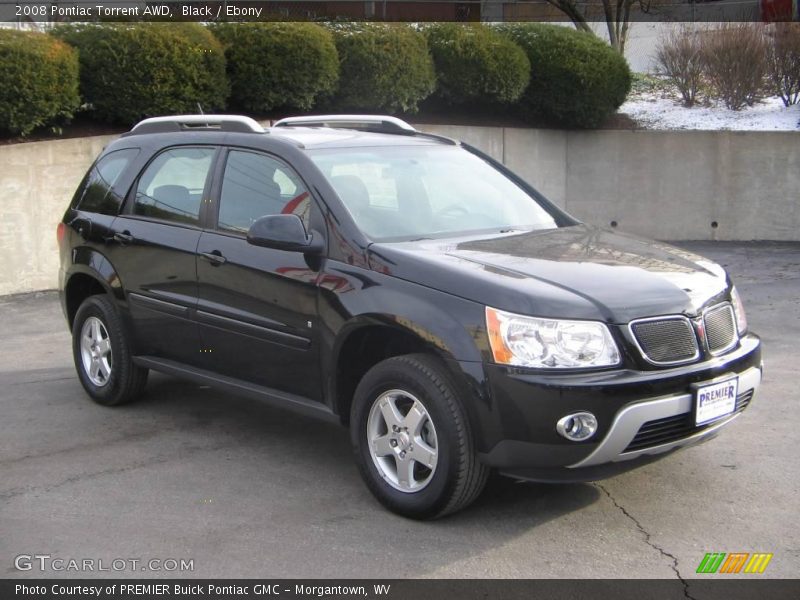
<point x="577" y="272"/>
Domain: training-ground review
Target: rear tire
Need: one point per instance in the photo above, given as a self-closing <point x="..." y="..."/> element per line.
<point x="412" y="439"/>
<point x="101" y="350"/>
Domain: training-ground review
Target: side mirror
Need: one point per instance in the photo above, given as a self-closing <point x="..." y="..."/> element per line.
<point x="283" y="232"/>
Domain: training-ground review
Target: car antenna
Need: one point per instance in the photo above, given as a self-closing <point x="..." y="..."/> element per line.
<point x="200" y="108"/>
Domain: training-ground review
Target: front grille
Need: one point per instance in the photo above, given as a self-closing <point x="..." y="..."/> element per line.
<point x="671" y="429"/>
<point x="666" y="341"/>
<point x="720" y="328"/>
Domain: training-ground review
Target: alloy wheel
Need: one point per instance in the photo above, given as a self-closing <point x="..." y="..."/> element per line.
<point x="402" y="441"/>
<point x="96" y="351"/>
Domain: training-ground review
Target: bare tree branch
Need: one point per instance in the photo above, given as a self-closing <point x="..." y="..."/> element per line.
<point x="570" y="8"/>
<point x="617" y="14"/>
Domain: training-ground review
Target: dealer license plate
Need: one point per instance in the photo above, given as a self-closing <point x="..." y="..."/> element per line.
<point x="715" y="400"/>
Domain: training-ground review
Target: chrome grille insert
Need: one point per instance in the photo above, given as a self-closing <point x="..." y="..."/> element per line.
<point x="665" y="340"/>
<point x="720" y="325"/>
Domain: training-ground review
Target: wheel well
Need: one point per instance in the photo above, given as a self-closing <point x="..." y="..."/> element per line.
<point x="79" y="287"/>
<point x="361" y="351"/>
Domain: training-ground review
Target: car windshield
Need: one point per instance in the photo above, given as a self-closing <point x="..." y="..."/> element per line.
<point x="412" y="192"/>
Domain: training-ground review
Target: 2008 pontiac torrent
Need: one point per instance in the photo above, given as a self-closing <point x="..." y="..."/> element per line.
<point x="402" y="284"/>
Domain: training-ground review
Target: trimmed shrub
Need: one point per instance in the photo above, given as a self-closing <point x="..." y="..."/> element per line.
<point x="39" y="76"/>
<point x="272" y="65"/>
<point x="382" y="67"/>
<point x="134" y="70"/>
<point x="477" y="65"/>
<point x="577" y="80"/>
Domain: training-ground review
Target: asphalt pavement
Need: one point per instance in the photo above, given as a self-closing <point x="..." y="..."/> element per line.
<point x="244" y="490"/>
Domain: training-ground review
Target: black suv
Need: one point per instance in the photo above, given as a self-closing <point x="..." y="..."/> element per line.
<point x="405" y="285"/>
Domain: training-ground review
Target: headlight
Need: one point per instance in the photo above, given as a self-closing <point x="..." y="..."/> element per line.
<point x="547" y="343"/>
<point x="738" y="311"/>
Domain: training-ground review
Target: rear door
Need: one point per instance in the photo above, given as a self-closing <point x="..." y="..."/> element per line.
<point x="257" y="307"/>
<point x="155" y="251"/>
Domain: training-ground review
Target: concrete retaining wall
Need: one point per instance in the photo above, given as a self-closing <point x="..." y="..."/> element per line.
<point x="669" y="185"/>
<point x="37" y="181"/>
<point x="664" y="185"/>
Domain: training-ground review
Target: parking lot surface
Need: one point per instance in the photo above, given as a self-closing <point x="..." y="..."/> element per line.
<point x="245" y="490"/>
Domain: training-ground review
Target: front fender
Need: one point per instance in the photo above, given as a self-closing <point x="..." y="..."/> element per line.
<point x="451" y="325"/>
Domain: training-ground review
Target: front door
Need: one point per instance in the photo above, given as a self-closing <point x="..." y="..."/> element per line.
<point x="257" y="306"/>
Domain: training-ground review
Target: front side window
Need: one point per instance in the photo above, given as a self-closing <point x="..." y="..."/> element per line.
<point x="99" y="193"/>
<point x="171" y="188"/>
<point x="408" y="192"/>
<point x="255" y="185"/>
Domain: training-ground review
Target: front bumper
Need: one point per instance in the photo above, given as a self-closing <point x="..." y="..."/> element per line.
<point x="642" y="415"/>
<point x="629" y="421"/>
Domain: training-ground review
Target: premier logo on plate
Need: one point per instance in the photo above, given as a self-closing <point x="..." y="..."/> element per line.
<point x="716" y="400"/>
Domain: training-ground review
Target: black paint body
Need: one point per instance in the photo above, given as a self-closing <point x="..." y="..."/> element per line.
<point x="274" y="323"/>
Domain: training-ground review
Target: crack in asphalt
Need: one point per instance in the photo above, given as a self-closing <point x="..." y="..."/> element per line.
<point x="152" y="461"/>
<point x="648" y="539"/>
<point x="43" y="380"/>
<point x="131" y="437"/>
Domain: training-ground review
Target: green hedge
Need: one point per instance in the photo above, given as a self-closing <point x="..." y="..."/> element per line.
<point x="272" y="65"/>
<point x="133" y="70"/>
<point x="477" y="65"/>
<point x="38" y="80"/>
<point x="577" y="80"/>
<point x="382" y="67"/>
<point x="130" y="71"/>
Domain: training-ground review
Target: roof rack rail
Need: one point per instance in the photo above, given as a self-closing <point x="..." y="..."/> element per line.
<point x="173" y="123"/>
<point x="439" y="138"/>
<point x="378" y="123"/>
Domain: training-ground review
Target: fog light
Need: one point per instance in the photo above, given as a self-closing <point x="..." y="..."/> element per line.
<point x="577" y="427"/>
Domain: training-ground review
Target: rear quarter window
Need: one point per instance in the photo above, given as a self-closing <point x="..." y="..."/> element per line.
<point x="99" y="194"/>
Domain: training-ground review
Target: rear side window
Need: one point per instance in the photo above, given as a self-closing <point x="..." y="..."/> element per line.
<point x="171" y="187"/>
<point x="99" y="193"/>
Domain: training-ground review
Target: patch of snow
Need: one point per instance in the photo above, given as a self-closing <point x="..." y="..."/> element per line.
<point x="655" y="110"/>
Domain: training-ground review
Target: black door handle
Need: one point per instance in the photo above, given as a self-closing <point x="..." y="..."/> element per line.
<point x="215" y="258"/>
<point x="123" y="237"/>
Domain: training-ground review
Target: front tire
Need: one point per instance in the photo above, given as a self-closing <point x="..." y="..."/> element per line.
<point x="101" y="351"/>
<point x="412" y="439"/>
